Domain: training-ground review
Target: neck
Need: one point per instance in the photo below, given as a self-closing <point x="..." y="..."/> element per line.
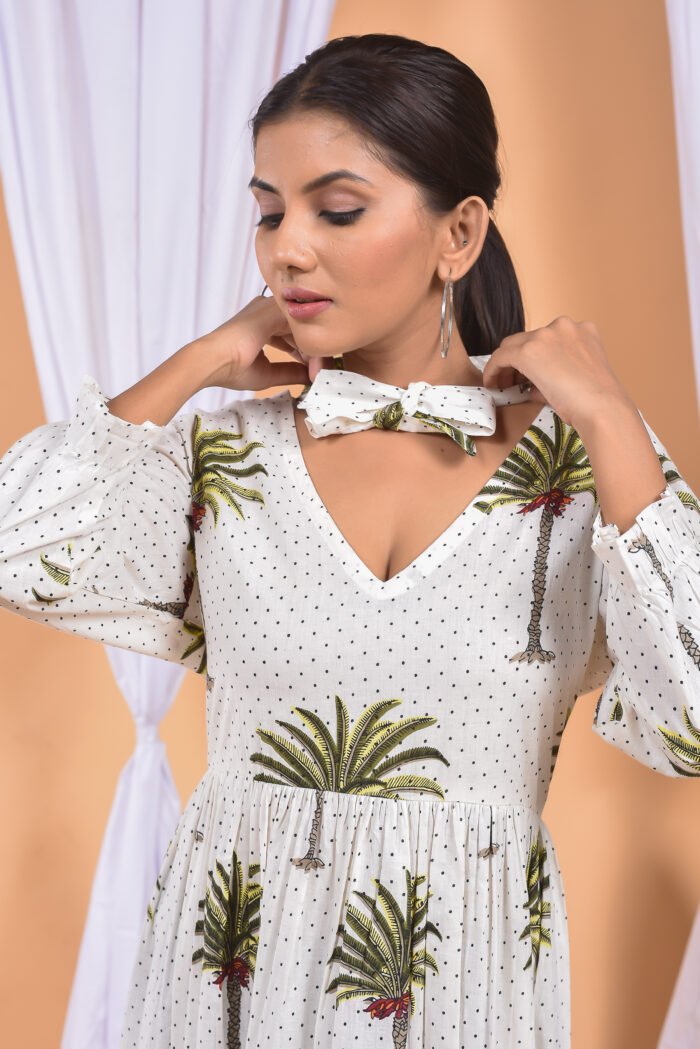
<point x="406" y="364"/>
<point x="466" y="375"/>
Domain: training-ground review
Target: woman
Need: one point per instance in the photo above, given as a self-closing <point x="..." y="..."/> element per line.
<point x="403" y="580"/>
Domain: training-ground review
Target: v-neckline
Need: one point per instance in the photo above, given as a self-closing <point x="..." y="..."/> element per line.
<point x="421" y="566"/>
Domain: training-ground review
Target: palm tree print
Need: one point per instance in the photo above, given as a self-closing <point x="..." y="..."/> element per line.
<point x="213" y="455"/>
<point x="685" y="748"/>
<point x="541" y="473"/>
<point x="356" y="761"/>
<point x="544" y="473"/>
<point x="672" y="477"/>
<point x="230" y="929"/>
<point x="385" y="954"/>
<point x="389" y="418"/>
<point x="61" y="575"/>
<point x="179" y="608"/>
<point x="642" y="544"/>
<point x="616" y="713"/>
<point x="560" y="733"/>
<point x="57" y="572"/>
<point x="151" y="909"/>
<point x="540" y="908"/>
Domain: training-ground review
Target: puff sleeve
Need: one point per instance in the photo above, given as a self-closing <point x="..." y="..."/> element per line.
<point x="96" y="533"/>
<point x="646" y="651"/>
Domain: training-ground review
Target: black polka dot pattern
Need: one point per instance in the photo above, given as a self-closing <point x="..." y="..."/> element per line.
<point x="364" y="860"/>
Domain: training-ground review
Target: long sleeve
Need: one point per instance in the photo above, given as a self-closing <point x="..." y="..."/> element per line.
<point x="96" y="532"/>
<point x="646" y="652"/>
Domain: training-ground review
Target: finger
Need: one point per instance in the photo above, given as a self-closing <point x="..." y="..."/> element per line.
<point x="315" y="364"/>
<point x="499" y="377"/>
<point x="501" y="369"/>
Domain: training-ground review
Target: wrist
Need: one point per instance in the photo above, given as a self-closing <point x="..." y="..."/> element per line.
<point x="607" y="412"/>
<point x="205" y="361"/>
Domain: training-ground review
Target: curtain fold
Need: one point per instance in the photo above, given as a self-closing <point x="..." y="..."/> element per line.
<point x="681" y="1028"/>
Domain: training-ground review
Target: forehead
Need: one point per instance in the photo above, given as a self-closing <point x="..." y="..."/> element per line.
<point x="310" y="130"/>
<point x="292" y="152"/>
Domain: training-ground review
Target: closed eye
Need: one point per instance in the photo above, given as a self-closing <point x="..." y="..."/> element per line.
<point x="336" y="218"/>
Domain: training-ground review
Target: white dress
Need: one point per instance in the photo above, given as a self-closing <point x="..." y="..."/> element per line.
<point x="363" y="861"/>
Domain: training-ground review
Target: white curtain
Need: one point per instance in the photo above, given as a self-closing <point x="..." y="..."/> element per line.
<point x="681" y="1028"/>
<point x="683" y="22"/>
<point x="125" y="157"/>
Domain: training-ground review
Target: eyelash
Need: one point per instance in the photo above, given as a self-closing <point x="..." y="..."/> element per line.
<point x="340" y="218"/>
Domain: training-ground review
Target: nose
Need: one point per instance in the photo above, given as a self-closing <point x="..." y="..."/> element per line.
<point x="291" y="243"/>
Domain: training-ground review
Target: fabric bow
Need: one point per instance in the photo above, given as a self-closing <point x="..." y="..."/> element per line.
<point x="342" y="401"/>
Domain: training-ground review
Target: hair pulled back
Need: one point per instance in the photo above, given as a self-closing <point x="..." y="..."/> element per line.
<point x="428" y="117"/>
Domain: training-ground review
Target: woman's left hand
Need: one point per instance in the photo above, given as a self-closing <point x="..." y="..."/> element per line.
<point x="567" y="365"/>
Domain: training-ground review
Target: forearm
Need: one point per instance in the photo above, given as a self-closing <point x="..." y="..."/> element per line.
<point x="161" y="394"/>
<point x="626" y="468"/>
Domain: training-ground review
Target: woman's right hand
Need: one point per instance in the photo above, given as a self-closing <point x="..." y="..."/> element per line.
<point x="238" y="344"/>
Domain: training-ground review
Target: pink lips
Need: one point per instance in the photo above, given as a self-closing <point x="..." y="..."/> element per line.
<point x="305" y="310"/>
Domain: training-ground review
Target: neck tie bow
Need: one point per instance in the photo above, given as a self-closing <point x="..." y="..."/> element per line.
<point x="342" y="401"/>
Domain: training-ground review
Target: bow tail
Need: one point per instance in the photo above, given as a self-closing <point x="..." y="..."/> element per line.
<point x="464" y="440"/>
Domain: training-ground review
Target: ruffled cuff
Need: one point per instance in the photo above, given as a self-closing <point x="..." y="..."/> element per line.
<point x="95" y="435"/>
<point x="662" y="532"/>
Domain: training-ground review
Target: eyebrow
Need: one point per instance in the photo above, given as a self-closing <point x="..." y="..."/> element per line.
<point x="315" y="183"/>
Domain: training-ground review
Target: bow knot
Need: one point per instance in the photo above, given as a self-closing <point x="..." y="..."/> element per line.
<point x="342" y="401"/>
<point x="411" y="396"/>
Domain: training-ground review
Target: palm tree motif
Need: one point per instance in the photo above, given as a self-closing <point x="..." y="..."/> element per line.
<point x="213" y="456"/>
<point x="560" y="733"/>
<point x="192" y="628"/>
<point x="356" y="761"/>
<point x="389" y="418"/>
<point x="541" y="473"/>
<point x="540" y="909"/>
<point x="151" y="909"/>
<point x="642" y="544"/>
<point x="672" y="477"/>
<point x="59" y="573"/>
<point x="685" y="748"/>
<point x="230" y="929"/>
<point x="386" y="955"/>
<point x="179" y="608"/>
<point x="616" y="713"/>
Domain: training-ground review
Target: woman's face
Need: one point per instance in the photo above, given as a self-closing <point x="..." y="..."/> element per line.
<point x="367" y="243"/>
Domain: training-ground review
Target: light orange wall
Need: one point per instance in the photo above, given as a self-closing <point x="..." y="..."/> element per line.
<point x="591" y="214"/>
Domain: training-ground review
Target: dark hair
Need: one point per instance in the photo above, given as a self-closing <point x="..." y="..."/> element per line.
<point x="426" y="115"/>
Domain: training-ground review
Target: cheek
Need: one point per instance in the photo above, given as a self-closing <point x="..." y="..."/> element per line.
<point x="380" y="257"/>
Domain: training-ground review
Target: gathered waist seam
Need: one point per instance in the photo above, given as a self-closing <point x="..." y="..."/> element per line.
<point x="225" y="771"/>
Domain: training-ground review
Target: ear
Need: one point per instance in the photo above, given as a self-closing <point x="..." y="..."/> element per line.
<point x="468" y="221"/>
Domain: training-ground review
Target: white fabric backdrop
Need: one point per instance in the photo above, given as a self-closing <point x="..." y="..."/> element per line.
<point x="681" y="1028"/>
<point x="125" y="156"/>
<point x="683" y="22"/>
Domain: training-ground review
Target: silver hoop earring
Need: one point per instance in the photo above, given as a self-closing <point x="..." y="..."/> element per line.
<point x="445" y="343"/>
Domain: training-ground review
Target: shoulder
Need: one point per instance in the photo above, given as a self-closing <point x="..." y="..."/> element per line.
<point x="249" y="417"/>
